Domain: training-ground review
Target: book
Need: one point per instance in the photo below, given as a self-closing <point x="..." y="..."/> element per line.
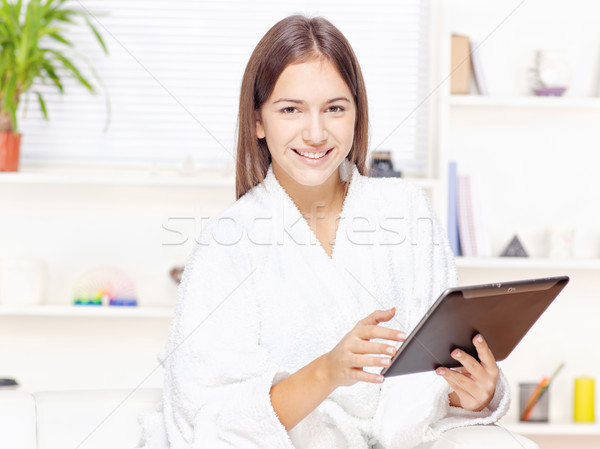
<point x="478" y="74"/>
<point x="460" y="67"/>
<point x="452" y="227"/>
<point x="471" y="225"/>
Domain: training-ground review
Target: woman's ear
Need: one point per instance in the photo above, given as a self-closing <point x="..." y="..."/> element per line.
<point x="260" y="131"/>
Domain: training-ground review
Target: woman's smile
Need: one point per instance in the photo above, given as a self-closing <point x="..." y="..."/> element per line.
<point x="312" y="155"/>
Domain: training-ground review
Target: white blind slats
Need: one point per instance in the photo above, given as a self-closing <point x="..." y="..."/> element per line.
<point x="174" y="72"/>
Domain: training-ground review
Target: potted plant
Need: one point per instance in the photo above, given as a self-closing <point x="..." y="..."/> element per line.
<point x="24" y="58"/>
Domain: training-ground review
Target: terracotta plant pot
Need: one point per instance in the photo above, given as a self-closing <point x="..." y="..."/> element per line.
<point x="9" y="151"/>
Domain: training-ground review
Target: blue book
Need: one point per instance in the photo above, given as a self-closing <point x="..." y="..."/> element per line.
<point x="453" y="236"/>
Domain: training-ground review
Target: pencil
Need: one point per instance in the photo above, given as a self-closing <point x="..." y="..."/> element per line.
<point x="538" y="393"/>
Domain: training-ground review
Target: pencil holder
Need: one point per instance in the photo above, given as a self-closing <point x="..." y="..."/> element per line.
<point x="539" y="413"/>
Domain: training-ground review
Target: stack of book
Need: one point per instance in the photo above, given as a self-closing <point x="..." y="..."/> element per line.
<point x="466" y="66"/>
<point x="467" y="231"/>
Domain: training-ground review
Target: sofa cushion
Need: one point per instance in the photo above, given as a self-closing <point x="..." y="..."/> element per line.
<point x="17" y="420"/>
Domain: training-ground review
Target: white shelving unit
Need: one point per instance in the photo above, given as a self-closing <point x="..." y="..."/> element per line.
<point x="484" y="101"/>
<point x="528" y="152"/>
<point x="527" y="263"/>
<point x="87" y="311"/>
<point x="117" y="176"/>
<point x="557" y="429"/>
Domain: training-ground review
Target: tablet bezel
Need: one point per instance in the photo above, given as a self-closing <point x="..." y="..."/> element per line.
<point x="428" y="346"/>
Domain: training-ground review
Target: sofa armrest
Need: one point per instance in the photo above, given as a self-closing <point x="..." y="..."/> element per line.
<point x="17" y="420"/>
<point x="489" y="436"/>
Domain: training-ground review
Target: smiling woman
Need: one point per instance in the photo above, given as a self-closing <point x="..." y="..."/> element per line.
<point x="278" y="339"/>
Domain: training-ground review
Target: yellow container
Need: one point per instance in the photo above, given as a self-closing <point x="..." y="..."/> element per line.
<point x="583" y="400"/>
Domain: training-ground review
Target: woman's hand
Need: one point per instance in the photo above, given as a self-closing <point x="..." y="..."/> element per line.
<point x="345" y="362"/>
<point x="474" y="384"/>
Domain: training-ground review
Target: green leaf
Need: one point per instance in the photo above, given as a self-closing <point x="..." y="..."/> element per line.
<point x="98" y="37"/>
<point x="60" y="39"/>
<point x="70" y="66"/>
<point x="42" y="105"/>
<point x="51" y="72"/>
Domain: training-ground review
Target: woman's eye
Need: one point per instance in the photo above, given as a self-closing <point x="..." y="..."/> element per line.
<point x="291" y="109"/>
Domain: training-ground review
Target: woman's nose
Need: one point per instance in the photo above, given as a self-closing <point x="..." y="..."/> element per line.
<point x="314" y="130"/>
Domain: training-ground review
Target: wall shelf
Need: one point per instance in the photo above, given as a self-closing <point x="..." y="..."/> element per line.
<point x="522" y="101"/>
<point x="117" y="176"/>
<point x="552" y="428"/>
<point x="88" y="311"/>
<point x="527" y="263"/>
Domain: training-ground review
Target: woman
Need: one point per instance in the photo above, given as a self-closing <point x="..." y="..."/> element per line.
<point x="300" y="292"/>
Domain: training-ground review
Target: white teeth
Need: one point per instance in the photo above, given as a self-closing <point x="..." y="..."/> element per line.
<point x="312" y="155"/>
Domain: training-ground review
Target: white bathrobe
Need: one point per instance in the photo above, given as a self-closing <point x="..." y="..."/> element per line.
<point x="260" y="298"/>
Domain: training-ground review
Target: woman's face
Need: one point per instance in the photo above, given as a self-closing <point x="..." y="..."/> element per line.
<point x="311" y="110"/>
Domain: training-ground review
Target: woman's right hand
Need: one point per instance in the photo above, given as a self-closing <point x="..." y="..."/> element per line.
<point x="345" y="363"/>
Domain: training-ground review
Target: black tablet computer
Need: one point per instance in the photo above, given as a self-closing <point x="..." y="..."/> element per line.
<point x="502" y="313"/>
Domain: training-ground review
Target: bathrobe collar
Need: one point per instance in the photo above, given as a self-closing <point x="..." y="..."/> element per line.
<point x="296" y="226"/>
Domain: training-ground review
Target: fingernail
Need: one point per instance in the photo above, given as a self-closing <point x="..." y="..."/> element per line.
<point x="479" y="338"/>
<point x="456" y="354"/>
<point x="380" y="379"/>
<point x="401" y="335"/>
<point x="385" y="362"/>
<point x="393" y="309"/>
<point x="391" y="351"/>
<point x="440" y="371"/>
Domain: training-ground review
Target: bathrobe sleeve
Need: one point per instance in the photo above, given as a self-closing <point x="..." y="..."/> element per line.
<point x="415" y="408"/>
<point x="217" y="376"/>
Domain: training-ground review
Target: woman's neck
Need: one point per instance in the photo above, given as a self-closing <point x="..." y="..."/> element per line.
<point x="324" y="200"/>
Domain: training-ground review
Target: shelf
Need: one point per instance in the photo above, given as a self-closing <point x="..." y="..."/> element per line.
<point x="527" y="262"/>
<point x="523" y="101"/>
<point x="552" y="429"/>
<point x="88" y="311"/>
<point x="116" y="176"/>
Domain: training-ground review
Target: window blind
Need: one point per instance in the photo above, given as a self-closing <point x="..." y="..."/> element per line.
<point x="174" y="71"/>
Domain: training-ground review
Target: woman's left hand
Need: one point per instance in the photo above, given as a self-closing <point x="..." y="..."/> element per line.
<point x="474" y="384"/>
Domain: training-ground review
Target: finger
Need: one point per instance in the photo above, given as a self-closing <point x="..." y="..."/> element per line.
<point x="379" y="316"/>
<point x="466" y="389"/>
<point x="361" y="361"/>
<point x="361" y="375"/>
<point x="368" y="347"/>
<point x="470" y="363"/>
<point x="369" y="332"/>
<point x="459" y="383"/>
<point x="485" y="355"/>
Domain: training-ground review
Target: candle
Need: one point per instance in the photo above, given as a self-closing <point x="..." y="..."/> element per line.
<point x="583" y="400"/>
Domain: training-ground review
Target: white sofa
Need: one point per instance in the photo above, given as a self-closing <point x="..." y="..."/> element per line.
<point x="103" y="419"/>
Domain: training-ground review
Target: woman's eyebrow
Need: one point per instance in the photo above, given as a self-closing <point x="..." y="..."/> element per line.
<point x="302" y="102"/>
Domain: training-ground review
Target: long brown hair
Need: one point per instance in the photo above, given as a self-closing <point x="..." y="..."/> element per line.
<point x="293" y="40"/>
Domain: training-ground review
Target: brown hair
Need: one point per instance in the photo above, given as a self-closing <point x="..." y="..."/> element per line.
<point x="293" y="40"/>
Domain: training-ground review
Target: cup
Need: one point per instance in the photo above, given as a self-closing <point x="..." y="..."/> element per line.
<point x="561" y="242"/>
<point x="539" y="413"/>
<point x="22" y="281"/>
